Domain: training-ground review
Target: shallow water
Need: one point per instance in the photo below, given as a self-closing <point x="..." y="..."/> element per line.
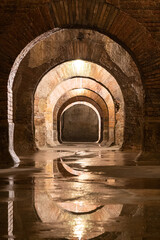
<point x="73" y="192"/>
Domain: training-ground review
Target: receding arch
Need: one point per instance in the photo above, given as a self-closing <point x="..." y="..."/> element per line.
<point x="51" y="82"/>
<point x="82" y="95"/>
<point x="72" y="51"/>
<point x="66" y="99"/>
<point x="80" y="121"/>
<point x="68" y="85"/>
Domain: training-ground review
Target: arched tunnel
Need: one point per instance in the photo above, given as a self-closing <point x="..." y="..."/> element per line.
<point x="45" y="93"/>
<point x="79" y="120"/>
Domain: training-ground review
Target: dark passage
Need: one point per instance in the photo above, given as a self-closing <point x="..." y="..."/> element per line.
<point x="79" y="123"/>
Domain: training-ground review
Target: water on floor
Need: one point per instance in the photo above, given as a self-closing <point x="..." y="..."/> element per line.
<point x="81" y="192"/>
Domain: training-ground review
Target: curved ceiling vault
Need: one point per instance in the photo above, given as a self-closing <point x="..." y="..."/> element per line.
<point x="93" y="47"/>
<point x="86" y="127"/>
<point x="65" y="86"/>
<point x="84" y="119"/>
<point x="66" y="99"/>
<point x="87" y="96"/>
<point x="134" y="30"/>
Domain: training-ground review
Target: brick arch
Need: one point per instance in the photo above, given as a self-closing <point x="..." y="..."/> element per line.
<point x="77" y="83"/>
<point x="108" y="19"/>
<point x="68" y="98"/>
<point x="89" y="71"/>
<point x="101" y="56"/>
<point x="82" y="95"/>
<point x="81" y="101"/>
<point x="86" y="105"/>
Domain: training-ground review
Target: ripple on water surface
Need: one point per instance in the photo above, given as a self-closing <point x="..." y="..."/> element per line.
<point x="81" y="194"/>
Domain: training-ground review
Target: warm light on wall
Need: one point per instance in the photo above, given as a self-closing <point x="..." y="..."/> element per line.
<point x="78" y="65"/>
<point x="79" y="227"/>
<point x="89" y="105"/>
<point x="80" y="91"/>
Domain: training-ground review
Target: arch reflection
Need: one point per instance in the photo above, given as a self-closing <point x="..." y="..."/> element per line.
<point x="67" y="197"/>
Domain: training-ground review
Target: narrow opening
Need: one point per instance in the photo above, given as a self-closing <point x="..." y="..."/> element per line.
<point x="80" y="123"/>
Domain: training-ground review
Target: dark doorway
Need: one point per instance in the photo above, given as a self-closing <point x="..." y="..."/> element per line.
<point x="79" y="123"/>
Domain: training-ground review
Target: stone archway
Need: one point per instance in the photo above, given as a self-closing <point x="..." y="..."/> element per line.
<point x="50" y="102"/>
<point x="80" y="122"/>
<point x="82" y="95"/>
<point x="127" y="78"/>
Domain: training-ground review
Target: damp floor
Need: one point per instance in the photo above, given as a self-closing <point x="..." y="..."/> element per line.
<point x="81" y="192"/>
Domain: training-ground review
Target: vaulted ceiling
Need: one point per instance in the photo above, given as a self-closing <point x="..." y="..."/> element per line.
<point x="135" y="25"/>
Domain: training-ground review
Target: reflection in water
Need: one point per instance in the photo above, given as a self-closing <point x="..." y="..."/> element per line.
<point x="77" y="194"/>
<point x="10" y="209"/>
<point x="74" y="202"/>
<point x="79" y="227"/>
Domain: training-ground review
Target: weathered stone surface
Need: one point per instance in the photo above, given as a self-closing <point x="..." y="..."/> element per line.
<point x="79" y="84"/>
<point x="134" y="24"/>
<point x="130" y="85"/>
<point x="79" y="123"/>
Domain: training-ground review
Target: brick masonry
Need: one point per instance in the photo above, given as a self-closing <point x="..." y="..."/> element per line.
<point x="134" y="24"/>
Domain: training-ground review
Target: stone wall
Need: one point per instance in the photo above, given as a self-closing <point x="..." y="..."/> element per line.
<point x="44" y="56"/>
<point x="81" y="86"/>
<point x="79" y="123"/>
<point x="134" y="24"/>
